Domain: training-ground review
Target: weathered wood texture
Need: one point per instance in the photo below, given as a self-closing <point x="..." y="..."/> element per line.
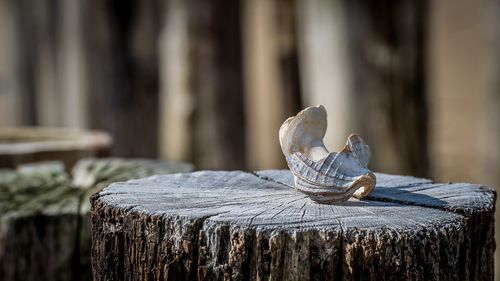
<point x="218" y="225"/>
<point x="29" y="144"/>
<point x="92" y="175"/>
<point x="44" y="215"/>
<point x="38" y="224"/>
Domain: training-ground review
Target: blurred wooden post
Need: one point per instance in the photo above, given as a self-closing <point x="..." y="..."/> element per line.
<point x="23" y="61"/>
<point x="45" y="32"/>
<point x="44" y="215"/>
<point x="272" y="88"/>
<point x="48" y="62"/>
<point x="122" y="50"/>
<point x="71" y="65"/>
<point x="388" y="58"/>
<point x="324" y="64"/>
<point x="365" y="62"/>
<point x="217" y="84"/>
<point x="10" y="113"/>
<point x="493" y="111"/>
<point x="176" y="97"/>
<point x="45" y="82"/>
<point x="465" y="93"/>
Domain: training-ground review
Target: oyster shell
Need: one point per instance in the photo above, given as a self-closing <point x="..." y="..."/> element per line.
<point x="326" y="177"/>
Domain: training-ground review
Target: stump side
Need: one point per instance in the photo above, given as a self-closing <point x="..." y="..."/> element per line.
<point x="44" y="215"/>
<point x="475" y="202"/>
<point x="38" y="223"/>
<point x="242" y="226"/>
<point x="92" y="175"/>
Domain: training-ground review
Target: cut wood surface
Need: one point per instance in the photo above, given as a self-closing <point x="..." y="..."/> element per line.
<point x="44" y="215"/>
<point x="220" y="225"/>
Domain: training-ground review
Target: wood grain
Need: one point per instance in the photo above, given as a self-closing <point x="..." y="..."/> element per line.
<point x="218" y="225"/>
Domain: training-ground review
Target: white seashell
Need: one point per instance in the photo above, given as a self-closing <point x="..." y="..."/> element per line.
<point x="326" y="177"/>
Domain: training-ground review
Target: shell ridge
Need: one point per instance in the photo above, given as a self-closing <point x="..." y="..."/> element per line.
<point x="326" y="177"/>
<point x="307" y="169"/>
<point x="343" y="193"/>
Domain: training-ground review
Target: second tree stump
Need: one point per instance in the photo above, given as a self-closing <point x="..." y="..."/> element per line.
<point x="242" y="226"/>
<point x="45" y="215"/>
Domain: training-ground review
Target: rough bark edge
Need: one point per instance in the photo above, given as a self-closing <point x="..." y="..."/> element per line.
<point x="478" y="245"/>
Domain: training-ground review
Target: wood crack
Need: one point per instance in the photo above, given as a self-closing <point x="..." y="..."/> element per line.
<point x="272" y="234"/>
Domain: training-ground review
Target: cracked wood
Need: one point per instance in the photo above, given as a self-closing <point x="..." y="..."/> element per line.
<point x="220" y="225"/>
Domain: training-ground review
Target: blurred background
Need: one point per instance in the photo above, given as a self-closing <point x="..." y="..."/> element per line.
<point x="210" y="82"/>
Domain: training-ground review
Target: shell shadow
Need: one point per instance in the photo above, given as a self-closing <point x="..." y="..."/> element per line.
<point x="386" y="193"/>
<point x="396" y="194"/>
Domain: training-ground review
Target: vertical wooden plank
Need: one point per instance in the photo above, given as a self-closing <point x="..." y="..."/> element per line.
<point x="286" y="22"/>
<point x="123" y="73"/>
<point x="176" y="97"/>
<point x="465" y="85"/>
<point x="386" y="44"/>
<point x="47" y="61"/>
<point x="493" y="158"/>
<point x="71" y="64"/>
<point x="46" y="18"/>
<point x="272" y="88"/>
<point x="460" y="86"/>
<point x="24" y="57"/>
<point x="217" y="84"/>
<point x="9" y="99"/>
<point x="324" y="64"/>
<point x="493" y="118"/>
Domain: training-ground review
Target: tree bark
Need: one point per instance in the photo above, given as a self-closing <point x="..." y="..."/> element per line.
<point x="92" y="175"/>
<point x="39" y="224"/>
<point x="44" y="215"/>
<point x="217" y="225"/>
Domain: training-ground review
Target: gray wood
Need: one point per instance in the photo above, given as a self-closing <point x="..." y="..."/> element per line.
<point x="218" y="225"/>
<point x="44" y="215"/>
<point x="38" y="224"/>
<point x="92" y="175"/>
<point x="475" y="202"/>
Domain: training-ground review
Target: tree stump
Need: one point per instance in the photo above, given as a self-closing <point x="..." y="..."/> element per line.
<point x="45" y="215"/>
<point x="220" y="225"/>
<point x="31" y="144"/>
